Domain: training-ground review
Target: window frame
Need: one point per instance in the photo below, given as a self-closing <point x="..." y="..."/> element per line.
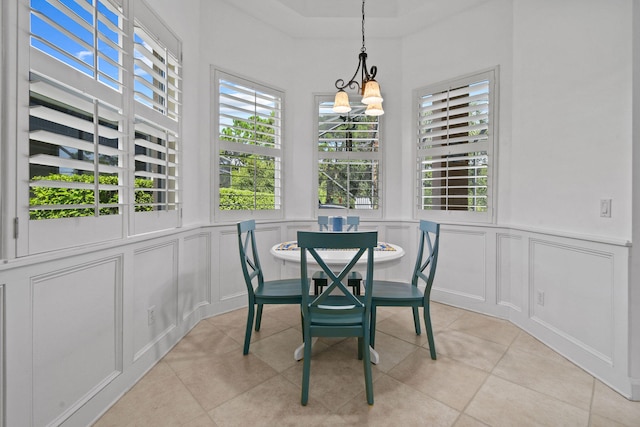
<point x="379" y="156"/>
<point x="488" y="216"/>
<point x="217" y="214"/>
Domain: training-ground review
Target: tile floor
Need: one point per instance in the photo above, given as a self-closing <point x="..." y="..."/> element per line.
<point x="488" y="373"/>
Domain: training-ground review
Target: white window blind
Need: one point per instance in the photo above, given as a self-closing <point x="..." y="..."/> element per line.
<point x="157" y="75"/>
<point x="76" y="157"/>
<point x="348" y="157"/>
<point x="455" y="138"/>
<point x="86" y="35"/>
<point x="76" y="154"/>
<point x="102" y="131"/>
<point x="157" y="91"/>
<point x="249" y="135"/>
<point x="156" y="166"/>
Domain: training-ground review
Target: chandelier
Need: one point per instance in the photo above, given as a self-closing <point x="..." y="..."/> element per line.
<point x="368" y="86"/>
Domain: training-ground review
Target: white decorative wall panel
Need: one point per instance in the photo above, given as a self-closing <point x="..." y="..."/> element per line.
<point x="266" y="236"/>
<point x="230" y="279"/>
<point x="578" y="294"/>
<point x="155" y="289"/>
<point x="76" y="322"/>
<point x="195" y="275"/>
<point x="509" y="275"/>
<point x="407" y="237"/>
<point x="462" y="264"/>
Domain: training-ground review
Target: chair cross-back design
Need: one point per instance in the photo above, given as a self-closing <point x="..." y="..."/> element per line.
<point x="336" y="312"/>
<point x="401" y="294"/>
<point x="355" y="278"/>
<point x="259" y="291"/>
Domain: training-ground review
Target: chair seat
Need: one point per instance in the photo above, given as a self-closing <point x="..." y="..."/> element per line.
<point x="279" y="289"/>
<point x="318" y="319"/>
<point x="395" y="291"/>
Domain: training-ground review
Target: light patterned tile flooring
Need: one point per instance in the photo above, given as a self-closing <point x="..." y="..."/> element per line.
<point x="488" y="373"/>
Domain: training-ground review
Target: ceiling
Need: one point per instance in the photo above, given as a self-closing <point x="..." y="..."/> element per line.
<point x="341" y="18"/>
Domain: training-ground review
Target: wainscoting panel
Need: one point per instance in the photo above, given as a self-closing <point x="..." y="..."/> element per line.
<point x="572" y="293"/>
<point x="267" y="235"/>
<point x="155" y="289"/>
<point x="510" y="272"/>
<point x="407" y="237"/>
<point x="230" y="280"/>
<point x="2" y="353"/>
<point x="195" y="274"/>
<point x="462" y="264"/>
<point x="77" y="336"/>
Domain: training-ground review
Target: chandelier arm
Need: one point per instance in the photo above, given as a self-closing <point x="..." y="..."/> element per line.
<point x="352" y="84"/>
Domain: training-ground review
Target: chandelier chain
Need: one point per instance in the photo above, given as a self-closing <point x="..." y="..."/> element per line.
<point x="363" y="49"/>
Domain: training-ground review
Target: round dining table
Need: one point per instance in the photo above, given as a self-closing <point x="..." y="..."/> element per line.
<point x="384" y="252"/>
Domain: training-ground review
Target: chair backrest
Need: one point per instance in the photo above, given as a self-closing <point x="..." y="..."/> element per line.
<point x="249" y="255"/>
<point x="427" y="258"/>
<point x="323" y="223"/>
<point x="312" y="243"/>
<point x="352" y="223"/>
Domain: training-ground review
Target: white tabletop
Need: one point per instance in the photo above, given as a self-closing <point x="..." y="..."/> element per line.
<point x="385" y="252"/>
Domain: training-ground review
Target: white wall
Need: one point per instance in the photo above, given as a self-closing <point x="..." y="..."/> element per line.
<point x="634" y="294"/>
<point x="572" y="116"/>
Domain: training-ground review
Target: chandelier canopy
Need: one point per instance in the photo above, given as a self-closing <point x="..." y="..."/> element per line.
<point x="368" y="86"/>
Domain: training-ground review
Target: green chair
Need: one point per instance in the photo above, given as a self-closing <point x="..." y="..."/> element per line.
<point x="323" y="222"/>
<point x="352" y="223"/>
<point x="260" y="292"/>
<point x="401" y="294"/>
<point x="354" y="280"/>
<point x="336" y="312"/>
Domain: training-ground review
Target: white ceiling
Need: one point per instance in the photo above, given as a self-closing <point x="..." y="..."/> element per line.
<point x="341" y="18"/>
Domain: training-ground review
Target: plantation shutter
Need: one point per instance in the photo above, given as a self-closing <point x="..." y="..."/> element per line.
<point x="102" y="131"/>
<point x="455" y="145"/>
<point x="249" y="135"/>
<point x="76" y="137"/>
<point x="75" y="143"/>
<point x="85" y="35"/>
<point x="157" y="109"/>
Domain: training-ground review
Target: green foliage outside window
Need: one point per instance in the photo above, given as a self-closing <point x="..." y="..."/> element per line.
<point x="233" y="199"/>
<point x="47" y="196"/>
<point x="247" y="181"/>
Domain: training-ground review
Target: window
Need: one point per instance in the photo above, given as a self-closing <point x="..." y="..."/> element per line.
<point x="348" y="158"/>
<point x="455" y="139"/>
<point x="248" y="132"/>
<point x="93" y="161"/>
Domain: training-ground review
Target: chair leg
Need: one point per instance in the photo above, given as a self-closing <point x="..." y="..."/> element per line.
<point x="416" y="320"/>
<point x="247" y="334"/>
<point x="368" y="377"/>
<point x="258" y="317"/>
<point x="360" y="348"/>
<point x="306" y="368"/>
<point x="427" y="325"/>
<point x="372" y="330"/>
